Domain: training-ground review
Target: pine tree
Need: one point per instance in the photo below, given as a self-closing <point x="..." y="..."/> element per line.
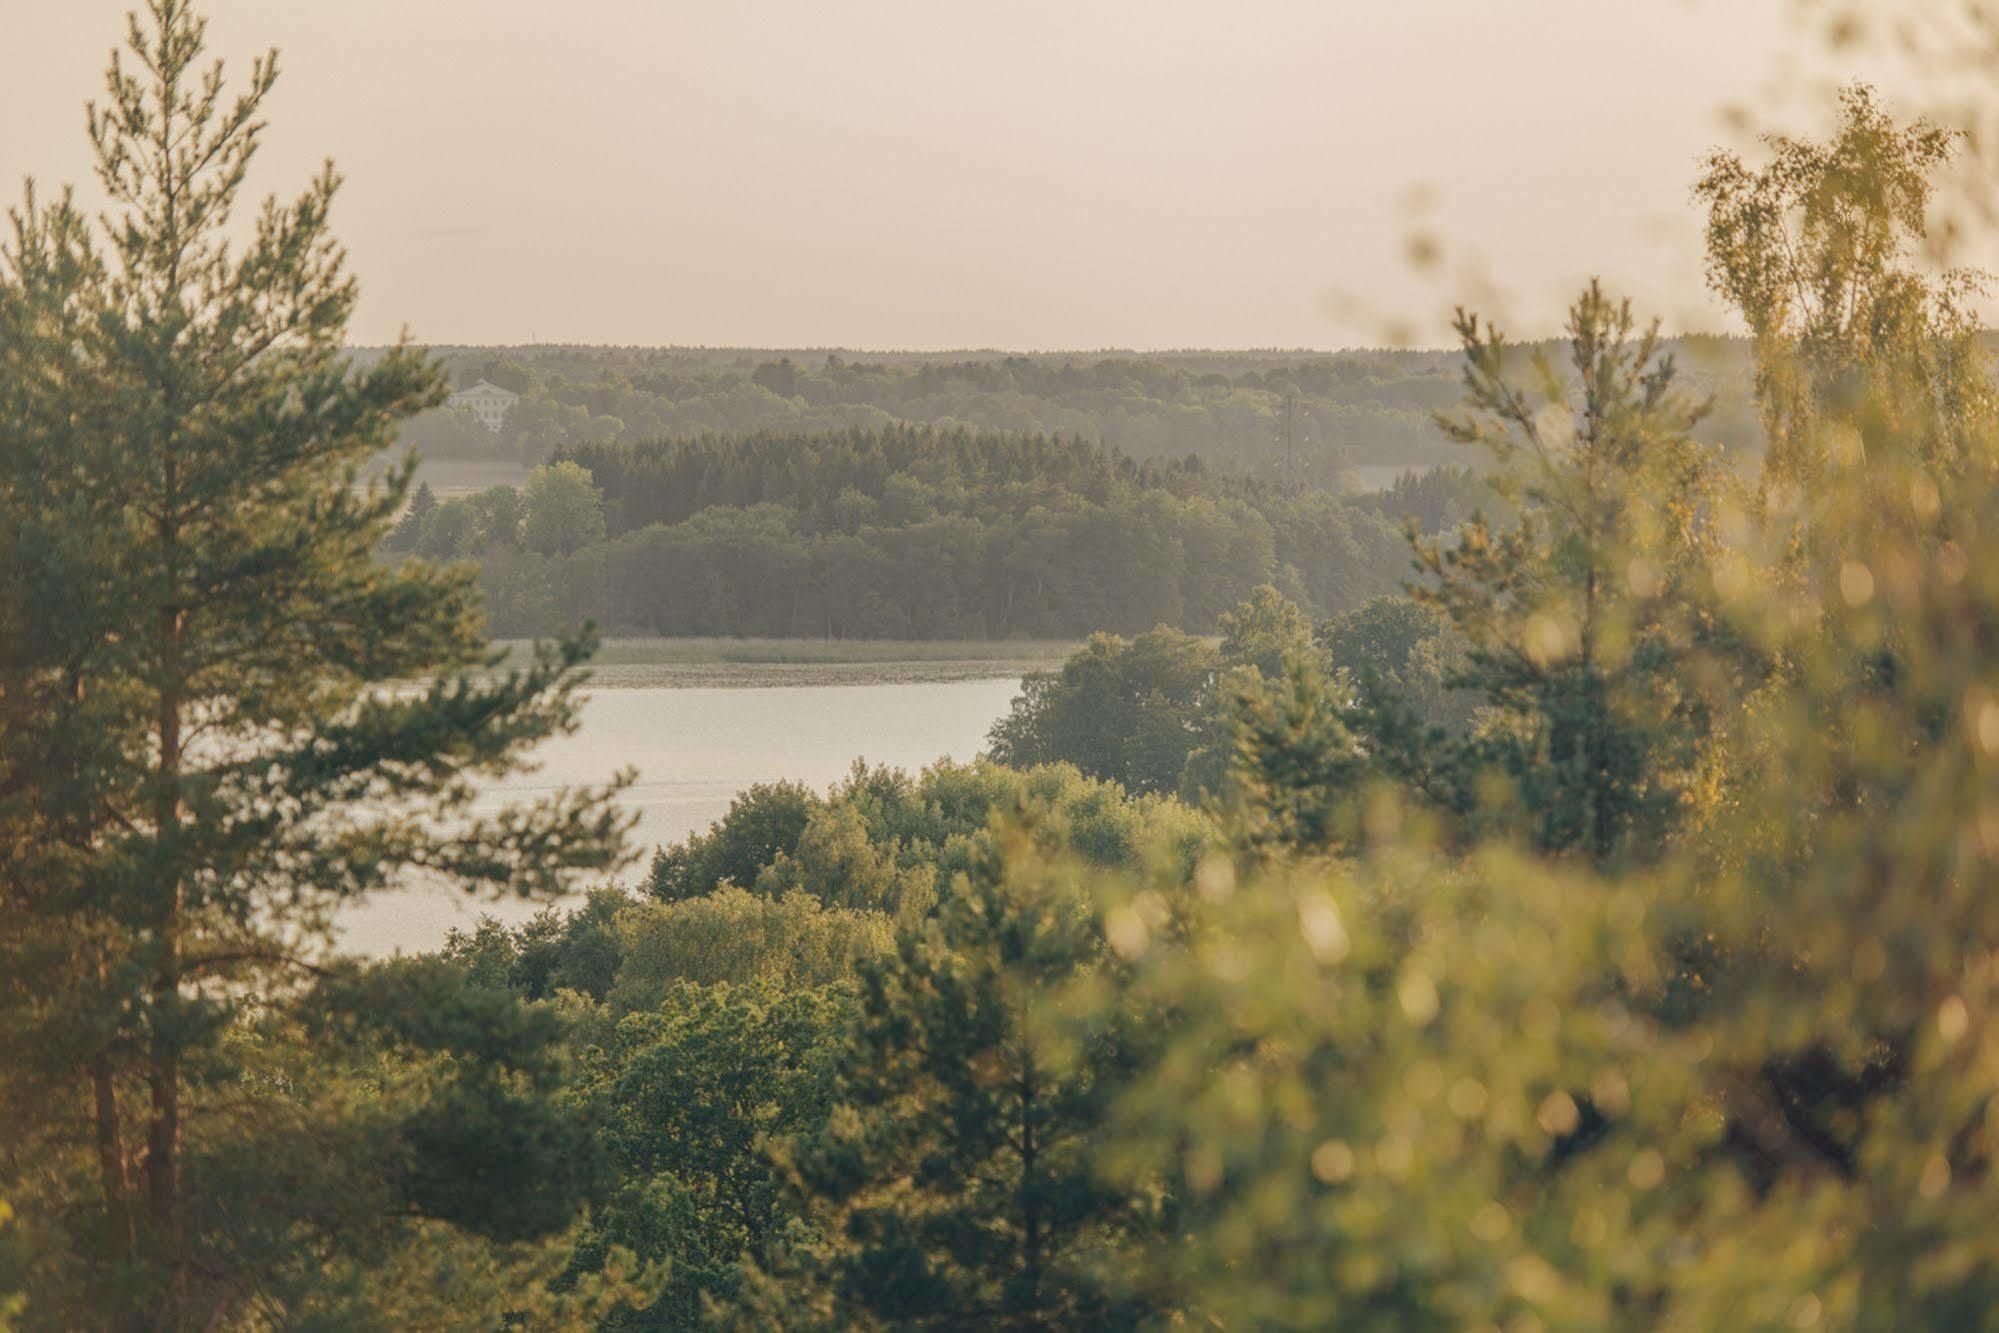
<point x="208" y="746"/>
<point x="1294" y="768"/>
<point x="409" y="529"/>
<point x="1570" y="617"/>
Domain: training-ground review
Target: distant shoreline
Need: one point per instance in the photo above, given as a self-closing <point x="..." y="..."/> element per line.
<point x="712" y="663"/>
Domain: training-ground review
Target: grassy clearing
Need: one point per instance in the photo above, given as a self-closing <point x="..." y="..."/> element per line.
<point x="657" y="663"/>
<point x="450" y="478"/>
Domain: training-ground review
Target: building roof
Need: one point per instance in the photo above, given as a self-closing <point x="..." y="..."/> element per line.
<point x="489" y="386"/>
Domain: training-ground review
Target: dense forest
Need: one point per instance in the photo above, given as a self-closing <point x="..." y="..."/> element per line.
<point x="1299" y="418"/>
<point x="912" y="533"/>
<point x="1292" y="418"/>
<point x="1597" y="933"/>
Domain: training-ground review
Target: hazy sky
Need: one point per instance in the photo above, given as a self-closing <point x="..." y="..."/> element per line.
<point x="945" y="173"/>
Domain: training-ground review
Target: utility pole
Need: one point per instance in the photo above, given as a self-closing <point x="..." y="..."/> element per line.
<point x="1291" y="442"/>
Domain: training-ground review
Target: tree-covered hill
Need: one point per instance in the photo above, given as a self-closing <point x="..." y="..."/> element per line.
<point x="909" y="469"/>
<point x="906" y="532"/>
<point x="1271" y="414"/>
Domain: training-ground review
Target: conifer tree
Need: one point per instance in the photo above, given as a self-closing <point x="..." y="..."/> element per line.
<point x="1571" y="618"/>
<point x="209" y="748"/>
<point x="1294" y="767"/>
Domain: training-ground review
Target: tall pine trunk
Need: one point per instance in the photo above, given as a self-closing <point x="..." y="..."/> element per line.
<point x="163" y="1061"/>
<point x="110" y="1139"/>
<point x="163" y="1075"/>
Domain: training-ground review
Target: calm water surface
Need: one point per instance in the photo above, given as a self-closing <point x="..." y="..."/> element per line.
<point x="694" y="749"/>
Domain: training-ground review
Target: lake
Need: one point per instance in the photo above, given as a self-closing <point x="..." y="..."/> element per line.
<point x="693" y="750"/>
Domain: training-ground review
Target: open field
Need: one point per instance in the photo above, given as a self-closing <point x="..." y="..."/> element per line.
<point x="648" y="663"/>
<point x="449" y="478"/>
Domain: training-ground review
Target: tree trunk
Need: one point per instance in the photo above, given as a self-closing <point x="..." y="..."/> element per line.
<point x="1032" y="1240"/>
<point x="163" y="1062"/>
<point x="111" y="1154"/>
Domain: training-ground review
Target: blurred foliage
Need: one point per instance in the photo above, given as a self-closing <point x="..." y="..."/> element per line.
<point x="1820" y="253"/>
<point x="1656" y="994"/>
<point x="1576" y="632"/>
<point x="1729" y="1068"/>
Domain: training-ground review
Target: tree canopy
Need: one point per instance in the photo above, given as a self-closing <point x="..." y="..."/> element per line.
<point x="904" y="533"/>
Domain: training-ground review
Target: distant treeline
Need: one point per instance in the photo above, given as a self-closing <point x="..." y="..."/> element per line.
<point x="1308" y="419"/>
<point x="1281" y="415"/>
<point x="909" y="532"/>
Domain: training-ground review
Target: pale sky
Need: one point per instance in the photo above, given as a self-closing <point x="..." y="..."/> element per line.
<point x="949" y="174"/>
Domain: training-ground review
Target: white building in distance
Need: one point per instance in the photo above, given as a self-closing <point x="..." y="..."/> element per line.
<point x="486" y="401"/>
